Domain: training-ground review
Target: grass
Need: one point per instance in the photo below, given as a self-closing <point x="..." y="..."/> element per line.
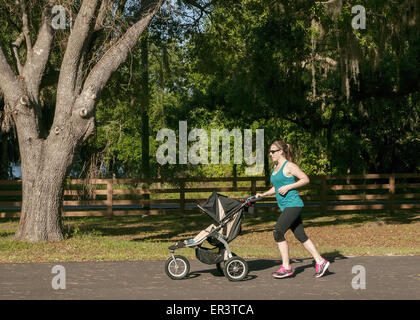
<point x="148" y="237"/>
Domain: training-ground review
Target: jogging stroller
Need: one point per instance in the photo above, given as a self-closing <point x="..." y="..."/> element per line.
<point x="227" y="215"/>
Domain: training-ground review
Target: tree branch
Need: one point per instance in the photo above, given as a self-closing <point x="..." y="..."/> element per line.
<point x="25" y="28"/>
<point x="70" y="67"/>
<point x="203" y="8"/>
<point x="37" y="61"/>
<point x="102" y="14"/>
<point x="15" y="46"/>
<point x="17" y="104"/>
<point x="113" y="58"/>
<point x="8" y="80"/>
<point x="326" y="60"/>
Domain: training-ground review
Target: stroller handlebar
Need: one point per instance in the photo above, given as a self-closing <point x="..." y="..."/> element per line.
<point x="251" y="200"/>
<point x="248" y="204"/>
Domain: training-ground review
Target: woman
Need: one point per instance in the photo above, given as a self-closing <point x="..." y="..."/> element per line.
<point x="291" y="205"/>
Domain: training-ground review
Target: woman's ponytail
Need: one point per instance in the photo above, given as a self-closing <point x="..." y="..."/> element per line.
<point x="289" y="152"/>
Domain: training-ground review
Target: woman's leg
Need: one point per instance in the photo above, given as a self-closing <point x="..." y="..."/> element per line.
<point x="285" y="221"/>
<point x="284" y="252"/>
<point x="299" y="232"/>
<point x="310" y="247"/>
<point x="321" y="264"/>
<point x="293" y="221"/>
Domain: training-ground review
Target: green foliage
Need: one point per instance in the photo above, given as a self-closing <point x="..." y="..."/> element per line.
<point x="249" y="66"/>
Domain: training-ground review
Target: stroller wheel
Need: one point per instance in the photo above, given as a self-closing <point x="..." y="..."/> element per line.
<point x="177" y="268"/>
<point x="236" y="269"/>
<point x="220" y="267"/>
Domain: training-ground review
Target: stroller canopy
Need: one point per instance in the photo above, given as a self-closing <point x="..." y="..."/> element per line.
<point x="218" y="206"/>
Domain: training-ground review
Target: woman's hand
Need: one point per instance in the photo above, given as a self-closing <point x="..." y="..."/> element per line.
<point x="283" y="190"/>
<point x="265" y="194"/>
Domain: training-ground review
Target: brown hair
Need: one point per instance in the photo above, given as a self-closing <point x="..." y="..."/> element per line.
<point x="287" y="149"/>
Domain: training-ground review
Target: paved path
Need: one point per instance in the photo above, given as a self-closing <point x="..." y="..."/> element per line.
<point x="386" y="278"/>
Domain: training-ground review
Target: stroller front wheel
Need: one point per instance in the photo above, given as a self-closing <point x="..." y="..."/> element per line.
<point x="177" y="268"/>
<point x="236" y="269"/>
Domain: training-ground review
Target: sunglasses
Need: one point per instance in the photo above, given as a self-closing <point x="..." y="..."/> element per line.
<point x="273" y="151"/>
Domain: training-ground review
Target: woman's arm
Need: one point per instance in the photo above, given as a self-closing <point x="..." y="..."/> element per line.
<point x="267" y="193"/>
<point x="295" y="171"/>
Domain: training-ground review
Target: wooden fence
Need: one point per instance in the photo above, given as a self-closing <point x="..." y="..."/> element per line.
<point x="108" y="197"/>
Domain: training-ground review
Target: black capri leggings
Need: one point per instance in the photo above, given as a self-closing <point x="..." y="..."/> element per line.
<point x="290" y="219"/>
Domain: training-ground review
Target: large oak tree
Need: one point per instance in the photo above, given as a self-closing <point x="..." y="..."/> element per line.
<point x="47" y="153"/>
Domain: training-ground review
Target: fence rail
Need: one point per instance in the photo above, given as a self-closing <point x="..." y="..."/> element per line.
<point x="107" y="197"/>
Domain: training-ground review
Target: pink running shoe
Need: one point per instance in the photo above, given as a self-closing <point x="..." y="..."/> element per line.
<point x="282" y="272"/>
<point x="321" y="268"/>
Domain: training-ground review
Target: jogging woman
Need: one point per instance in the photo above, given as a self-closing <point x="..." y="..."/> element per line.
<point x="291" y="205"/>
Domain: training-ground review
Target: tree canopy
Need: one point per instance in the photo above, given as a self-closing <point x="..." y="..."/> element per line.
<point x="345" y="98"/>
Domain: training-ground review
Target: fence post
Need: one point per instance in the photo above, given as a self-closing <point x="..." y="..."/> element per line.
<point x="323" y="194"/>
<point x="182" y="197"/>
<point x="109" y="197"/>
<point x="253" y="186"/>
<point x="234" y="174"/>
<point x="145" y="187"/>
<point x="392" y="193"/>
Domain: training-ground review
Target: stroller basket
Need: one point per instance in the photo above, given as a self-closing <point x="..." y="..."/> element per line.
<point x="209" y="256"/>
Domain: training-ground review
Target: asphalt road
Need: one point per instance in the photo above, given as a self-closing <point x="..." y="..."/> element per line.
<point x="355" y="278"/>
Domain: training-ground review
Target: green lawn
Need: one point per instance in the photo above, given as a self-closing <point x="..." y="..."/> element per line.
<point x="148" y="237"/>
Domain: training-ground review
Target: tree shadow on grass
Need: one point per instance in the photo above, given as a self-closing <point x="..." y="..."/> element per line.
<point x="174" y="226"/>
<point x="168" y="236"/>
<point x="156" y="227"/>
<point x="6" y="234"/>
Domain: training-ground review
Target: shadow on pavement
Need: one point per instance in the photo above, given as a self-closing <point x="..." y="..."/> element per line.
<point x="217" y="274"/>
<point x="264" y="264"/>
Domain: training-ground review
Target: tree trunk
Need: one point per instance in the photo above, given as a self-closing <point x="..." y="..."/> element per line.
<point x="44" y="170"/>
<point x="145" y="103"/>
<point x="41" y="201"/>
<point x="4" y="158"/>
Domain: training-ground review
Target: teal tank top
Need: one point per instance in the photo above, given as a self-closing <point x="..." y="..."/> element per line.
<point x="291" y="198"/>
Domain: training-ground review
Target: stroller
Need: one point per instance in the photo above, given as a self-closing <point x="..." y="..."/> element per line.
<point x="227" y="215"/>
